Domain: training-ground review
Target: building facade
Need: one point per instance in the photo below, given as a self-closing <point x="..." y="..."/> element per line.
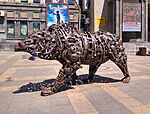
<point x="129" y="19"/>
<point x="19" y="18"/>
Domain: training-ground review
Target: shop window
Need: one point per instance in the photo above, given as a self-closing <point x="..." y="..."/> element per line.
<point x="36" y="26"/>
<point x="36" y="1"/>
<point x="24" y="0"/>
<point x="10" y="29"/>
<point x="23" y="29"/>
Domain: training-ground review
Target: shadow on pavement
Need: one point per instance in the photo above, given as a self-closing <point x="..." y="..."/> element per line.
<point x="98" y="79"/>
<point x="32" y="87"/>
<point x="82" y="79"/>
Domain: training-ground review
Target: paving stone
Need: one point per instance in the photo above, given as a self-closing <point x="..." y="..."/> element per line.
<point x="139" y="90"/>
<point x="25" y="102"/>
<point x="30" y="72"/>
<point x="105" y="103"/>
<point x="67" y="109"/>
<point x="22" y="98"/>
<point x="40" y="104"/>
<point x="8" y="64"/>
<point x="60" y="101"/>
<point x="139" y="73"/>
<point x="112" y="109"/>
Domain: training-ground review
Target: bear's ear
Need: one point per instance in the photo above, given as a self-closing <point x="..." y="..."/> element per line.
<point x="50" y="29"/>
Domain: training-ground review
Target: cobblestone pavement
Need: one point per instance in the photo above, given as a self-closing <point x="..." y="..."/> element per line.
<point x="20" y="81"/>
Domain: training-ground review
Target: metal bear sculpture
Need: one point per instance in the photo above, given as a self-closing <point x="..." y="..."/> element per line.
<point x="71" y="48"/>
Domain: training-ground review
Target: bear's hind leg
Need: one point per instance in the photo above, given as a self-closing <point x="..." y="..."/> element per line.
<point x="121" y="61"/>
<point x="92" y="71"/>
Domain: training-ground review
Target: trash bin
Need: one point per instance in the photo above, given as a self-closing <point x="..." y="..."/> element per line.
<point x="142" y="51"/>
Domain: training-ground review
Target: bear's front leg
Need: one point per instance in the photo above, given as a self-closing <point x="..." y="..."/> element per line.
<point x="64" y="74"/>
<point x="59" y="80"/>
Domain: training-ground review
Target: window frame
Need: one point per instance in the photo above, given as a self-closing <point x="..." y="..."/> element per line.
<point x="9" y="35"/>
<point x="36" y="1"/>
<point x="24" y="1"/>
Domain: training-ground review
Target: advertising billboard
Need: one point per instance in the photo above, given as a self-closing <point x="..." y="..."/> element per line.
<point x="57" y="13"/>
<point x="132" y="17"/>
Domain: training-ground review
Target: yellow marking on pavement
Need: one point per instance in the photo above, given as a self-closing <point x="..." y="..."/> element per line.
<point x="9" y="88"/>
<point x="7" y="74"/>
<point x="8" y="57"/>
<point x="80" y="103"/>
<point x="141" y="66"/>
<point x="131" y="103"/>
<point x="40" y="62"/>
<point x="148" y="106"/>
<point x="33" y="67"/>
<point x="107" y="72"/>
<point x="20" y="61"/>
<point x="146" y="77"/>
<point x="138" y="62"/>
<point x="138" y="57"/>
<point x="57" y="68"/>
<point x="33" y="78"/>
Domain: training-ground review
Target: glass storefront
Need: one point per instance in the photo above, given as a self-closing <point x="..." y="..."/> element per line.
<point x="10" y="29"/>
<point x="23" y="27"/>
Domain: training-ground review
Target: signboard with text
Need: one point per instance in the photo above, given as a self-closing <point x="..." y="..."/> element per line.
<point x="101" y="21"/>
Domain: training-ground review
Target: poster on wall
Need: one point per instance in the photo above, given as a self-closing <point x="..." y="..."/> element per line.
<point x="63" y="1"/>
<point x="57" y="13"/>
<point x="23" y="29"/>
<point x="131" y="17"/>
